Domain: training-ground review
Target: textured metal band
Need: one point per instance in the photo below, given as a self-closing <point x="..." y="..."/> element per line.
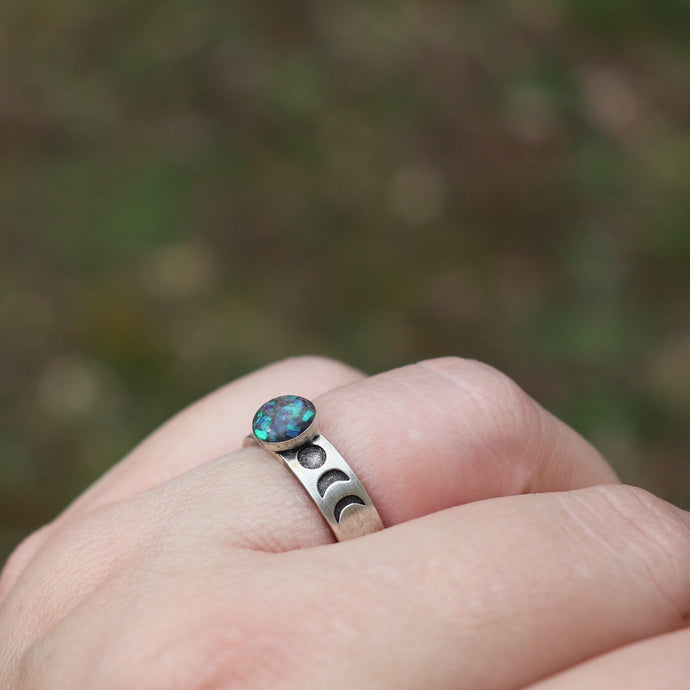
<point x="333" y="486"/>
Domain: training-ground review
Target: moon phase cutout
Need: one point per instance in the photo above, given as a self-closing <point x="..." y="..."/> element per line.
<point x="344" y="503"/>
<point x="311" y="457"/>
<point x="328" y="478"/>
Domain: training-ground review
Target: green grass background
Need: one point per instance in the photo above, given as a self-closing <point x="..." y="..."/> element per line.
<point x="189" y="190"/>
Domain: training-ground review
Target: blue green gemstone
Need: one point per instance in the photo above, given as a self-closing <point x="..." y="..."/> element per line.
<point x="283" y="418"/>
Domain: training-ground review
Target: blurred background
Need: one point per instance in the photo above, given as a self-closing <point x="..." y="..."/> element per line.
<point x="189" y="190"/>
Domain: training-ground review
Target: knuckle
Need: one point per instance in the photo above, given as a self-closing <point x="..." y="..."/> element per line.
<point x="649" y="517"/>
<point x="494" y="394"/>
<point x="657" y="537"/>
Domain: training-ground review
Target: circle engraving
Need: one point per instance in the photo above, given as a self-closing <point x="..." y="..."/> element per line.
<point x="311" y="457"/>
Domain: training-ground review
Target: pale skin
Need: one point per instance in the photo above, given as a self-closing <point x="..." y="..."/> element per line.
<point x="512" y="557"/>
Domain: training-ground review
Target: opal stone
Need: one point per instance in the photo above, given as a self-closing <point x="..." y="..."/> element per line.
<point x="283" y="419"/>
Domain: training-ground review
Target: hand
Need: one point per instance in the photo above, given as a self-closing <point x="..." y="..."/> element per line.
<point x="179" y="572"/>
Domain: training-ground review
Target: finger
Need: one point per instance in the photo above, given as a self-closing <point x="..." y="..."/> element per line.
<point x="493" y="595"/>
<point x="214" y="425"/>
<point x="659" y="662"/>
<point x="422" y="438"/>
<point x="458" y="429"/>
<point x="499" y="594"/>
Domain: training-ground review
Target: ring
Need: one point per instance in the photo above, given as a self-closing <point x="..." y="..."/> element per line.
<point x="287" y="427"/>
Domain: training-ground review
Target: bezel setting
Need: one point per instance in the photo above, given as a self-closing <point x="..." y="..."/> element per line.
<point x="285" y="422"/>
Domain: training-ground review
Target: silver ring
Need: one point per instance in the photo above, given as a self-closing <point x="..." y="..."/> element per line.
<point x="287" y="427"/>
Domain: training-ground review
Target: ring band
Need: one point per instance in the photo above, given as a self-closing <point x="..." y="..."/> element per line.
<point x="287" y="427"/>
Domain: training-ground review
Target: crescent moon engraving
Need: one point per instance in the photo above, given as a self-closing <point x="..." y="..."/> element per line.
<point x="328" y="478"/>
<point x="344" y="503"/>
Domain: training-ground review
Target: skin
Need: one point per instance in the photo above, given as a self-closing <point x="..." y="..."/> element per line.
<point x="511" y="556"/>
